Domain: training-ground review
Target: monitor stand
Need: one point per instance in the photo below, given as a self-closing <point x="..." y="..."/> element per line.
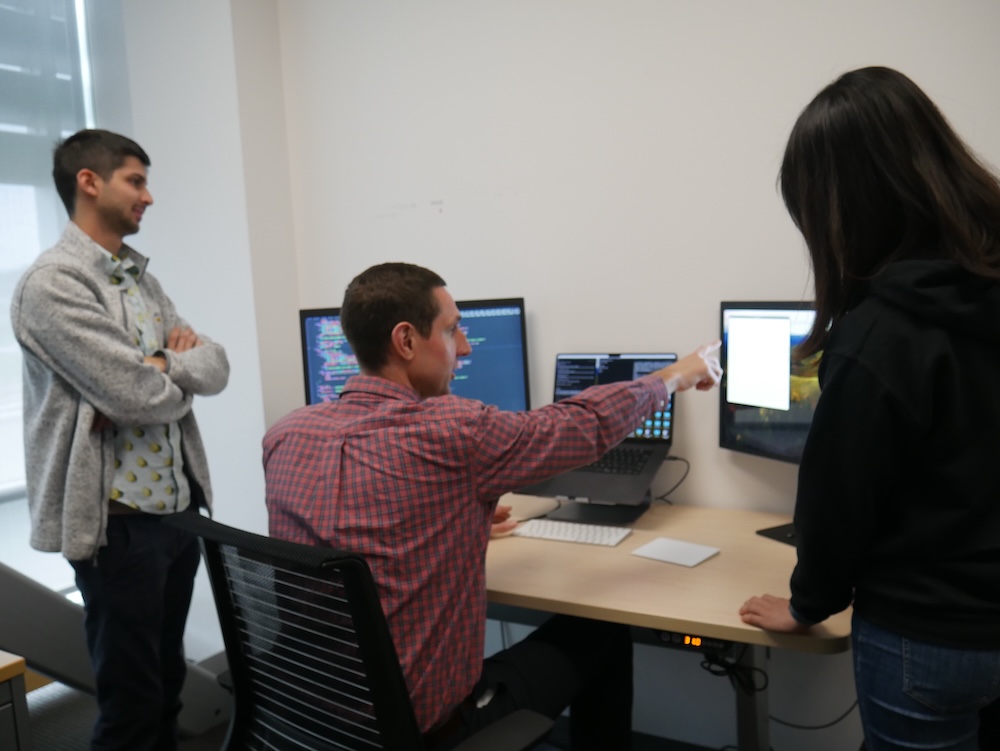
<point x="599" y="513"/>
<point x="782" y="533"/>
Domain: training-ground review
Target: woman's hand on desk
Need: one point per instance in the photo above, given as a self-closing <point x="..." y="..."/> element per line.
<point x="503" y="525"/>
<point x="771" y="614"/>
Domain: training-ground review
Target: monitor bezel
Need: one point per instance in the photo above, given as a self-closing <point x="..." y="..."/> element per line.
<point x="500" y="302"/>
<point x="724" y="307"/>
<point x="304" y="341"/>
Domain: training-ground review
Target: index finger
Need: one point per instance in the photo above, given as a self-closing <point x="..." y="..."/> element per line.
<point x="710" y="348"/>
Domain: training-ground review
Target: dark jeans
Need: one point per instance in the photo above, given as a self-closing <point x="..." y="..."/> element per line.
<point x="137" y="595"/>
<point x="918" y="695"/>
<point x="567" y="662"/>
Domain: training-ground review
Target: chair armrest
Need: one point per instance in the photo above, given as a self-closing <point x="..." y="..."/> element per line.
<point x="519" y="730"/>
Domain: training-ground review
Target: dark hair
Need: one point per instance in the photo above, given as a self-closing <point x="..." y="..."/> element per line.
<point x="873" y="174"/>
<point x="379" y="298"/>
<point x="99" y="150"/>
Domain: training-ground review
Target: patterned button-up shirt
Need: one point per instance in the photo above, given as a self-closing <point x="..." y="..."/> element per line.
<point x="412" y="485"/>
<point x="149" y="474"/>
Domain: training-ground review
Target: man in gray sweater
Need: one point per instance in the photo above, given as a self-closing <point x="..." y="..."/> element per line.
<point x="111" y="443"/>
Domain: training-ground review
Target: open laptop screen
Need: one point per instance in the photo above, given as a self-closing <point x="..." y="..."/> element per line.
<point x="575" y="372"/>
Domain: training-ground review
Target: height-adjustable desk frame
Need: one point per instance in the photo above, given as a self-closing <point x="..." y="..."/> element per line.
<point x="611" y="584"/>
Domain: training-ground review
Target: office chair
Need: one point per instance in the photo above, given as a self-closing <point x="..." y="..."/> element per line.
<point x="312" y="663"/>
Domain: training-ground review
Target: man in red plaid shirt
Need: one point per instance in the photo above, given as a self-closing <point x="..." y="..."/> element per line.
<point x="409" y="476"/>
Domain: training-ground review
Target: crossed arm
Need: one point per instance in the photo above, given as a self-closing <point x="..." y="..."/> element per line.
<point x="179" y="340"/>
<point x="62" y="320"/>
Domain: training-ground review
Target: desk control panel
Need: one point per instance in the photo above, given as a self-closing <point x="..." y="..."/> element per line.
<point x="687" y="642"/>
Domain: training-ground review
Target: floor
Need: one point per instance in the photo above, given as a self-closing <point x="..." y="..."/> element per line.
<point x="61" y="719"/>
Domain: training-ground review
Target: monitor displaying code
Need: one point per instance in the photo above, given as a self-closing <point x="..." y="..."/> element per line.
<point x="495" y="372"/>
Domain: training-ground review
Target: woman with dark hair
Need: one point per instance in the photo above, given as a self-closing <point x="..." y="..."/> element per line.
<point x="898" y="506"/>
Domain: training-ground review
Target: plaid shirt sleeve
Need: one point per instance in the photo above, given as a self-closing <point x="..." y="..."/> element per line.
<point x="514" y="449"/>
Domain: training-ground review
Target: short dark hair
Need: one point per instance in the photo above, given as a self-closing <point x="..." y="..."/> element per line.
<point x="381" y="297"/>
<point x="873" y="173"/>
<point x="99" y="150"/>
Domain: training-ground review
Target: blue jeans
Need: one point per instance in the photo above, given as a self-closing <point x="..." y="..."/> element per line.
<point x="915" y="695"/>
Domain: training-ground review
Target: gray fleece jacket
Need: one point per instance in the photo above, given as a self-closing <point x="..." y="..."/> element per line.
<point x="76" y="333"/>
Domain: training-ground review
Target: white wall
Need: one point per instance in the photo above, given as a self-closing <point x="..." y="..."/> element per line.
<point x="612" y="162"/>
<point x="182" y="82"/>
<point x="269" y="203"/>
<point x="615" y="164"/>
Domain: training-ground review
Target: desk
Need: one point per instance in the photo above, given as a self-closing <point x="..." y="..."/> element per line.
<point x="611" y="584"/>
<point x="14" y="732"/>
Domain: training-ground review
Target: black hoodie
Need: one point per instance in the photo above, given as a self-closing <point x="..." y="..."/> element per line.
<point x="898" y="504"/>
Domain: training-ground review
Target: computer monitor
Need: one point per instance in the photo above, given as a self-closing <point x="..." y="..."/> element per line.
<point x="496" y="372"/>
<point x="767" y="396"/>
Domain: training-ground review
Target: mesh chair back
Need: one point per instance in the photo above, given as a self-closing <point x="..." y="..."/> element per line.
<point x="312" y="661"/>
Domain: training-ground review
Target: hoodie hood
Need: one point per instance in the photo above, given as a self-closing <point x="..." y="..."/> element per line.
<point x="943" y="294"/>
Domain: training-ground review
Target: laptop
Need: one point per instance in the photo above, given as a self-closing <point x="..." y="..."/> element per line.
<point x="623" y="475"/>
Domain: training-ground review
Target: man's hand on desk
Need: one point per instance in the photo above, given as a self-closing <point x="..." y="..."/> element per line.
<point x="771" y="614"/>
<point x="503" y="525"/>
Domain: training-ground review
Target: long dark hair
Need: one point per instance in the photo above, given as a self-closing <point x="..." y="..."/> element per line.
<point x="872" y="174"/>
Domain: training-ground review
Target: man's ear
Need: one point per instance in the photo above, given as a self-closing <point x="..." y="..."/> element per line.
<point x="87" y="182"/>
<point x="403" y="339"/>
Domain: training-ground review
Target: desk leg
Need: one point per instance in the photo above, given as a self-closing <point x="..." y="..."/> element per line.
<point x="22" y="726"/>
<point x="752" y="724"/>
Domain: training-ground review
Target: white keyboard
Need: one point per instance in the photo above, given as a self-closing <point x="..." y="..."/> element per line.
<point x="590" y="534"/>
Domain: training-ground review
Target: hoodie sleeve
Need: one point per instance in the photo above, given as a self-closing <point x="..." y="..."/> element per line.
<point x="855" y="430"/>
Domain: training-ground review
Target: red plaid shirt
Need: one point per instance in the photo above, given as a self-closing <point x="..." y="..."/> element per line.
<point x="412" y="485"/>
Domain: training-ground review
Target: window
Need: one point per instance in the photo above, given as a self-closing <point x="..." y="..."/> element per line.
<point x="45" y="95"/>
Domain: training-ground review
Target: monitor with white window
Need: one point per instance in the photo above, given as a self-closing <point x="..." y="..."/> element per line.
<point x="767" y="395"/>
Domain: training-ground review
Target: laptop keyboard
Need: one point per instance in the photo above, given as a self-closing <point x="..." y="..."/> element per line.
<point x="590" y="534"/>
<point x="621" y="461"/>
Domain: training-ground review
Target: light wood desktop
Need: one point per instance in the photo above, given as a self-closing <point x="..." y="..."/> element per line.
<point x="609" y="583"/>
